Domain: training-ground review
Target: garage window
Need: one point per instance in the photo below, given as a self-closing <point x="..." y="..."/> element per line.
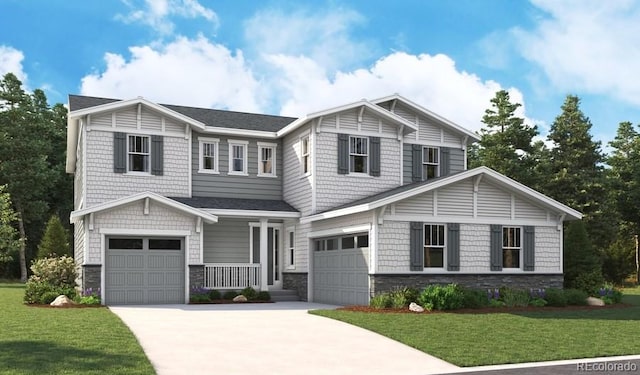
<point x="125" y="243"/>
<point x="145" y="244"/>
<point x="352" y="241"/>
<point x="164" y="244"/>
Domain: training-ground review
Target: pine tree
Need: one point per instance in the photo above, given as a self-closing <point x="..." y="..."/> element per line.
<point x="582" y="268"/>
<point x="55" y="240"/>
<point x="9" y="243"/>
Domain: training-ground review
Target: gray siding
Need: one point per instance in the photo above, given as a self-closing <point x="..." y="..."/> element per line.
<point x="297" y="186"/>
<point x="226" y="241"/>
<point x="456" y="162"/>
<point x="493" y="201"/>
<point x="78" y="177"/>
<point x="230" y="186"/>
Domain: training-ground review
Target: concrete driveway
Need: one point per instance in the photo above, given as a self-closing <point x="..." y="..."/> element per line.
<point x="278" y="338"/>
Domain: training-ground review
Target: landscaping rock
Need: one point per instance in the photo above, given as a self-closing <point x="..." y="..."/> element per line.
<point x="593" y="301"/>
<point x="415" y="307"/>
<point x="240" y="298"/>
<point x="61" y="301"/>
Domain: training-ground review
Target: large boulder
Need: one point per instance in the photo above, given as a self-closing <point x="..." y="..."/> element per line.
<point x="415" y="307"/>
<point x="240" y="298"/>
<point x="62" y="301"/>
<point x="593" y="301"/>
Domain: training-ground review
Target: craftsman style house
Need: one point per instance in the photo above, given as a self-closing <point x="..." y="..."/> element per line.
<point x="336" y="206"/>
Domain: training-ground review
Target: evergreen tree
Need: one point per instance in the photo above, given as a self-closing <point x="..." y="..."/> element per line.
<point x="55" y="240"/>
<point x="582" y="268"/>
<point x="9" y="243"/>
<point x="506" y="141"/>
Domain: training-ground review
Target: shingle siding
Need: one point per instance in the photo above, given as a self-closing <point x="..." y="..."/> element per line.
<point x="456" y="162"/>
<point x="296" y="188"/>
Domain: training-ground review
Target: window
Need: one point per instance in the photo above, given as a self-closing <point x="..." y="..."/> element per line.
<point x="291" y="248"/>
<point x="433" y="246"/>
<point x="208" y="155"/>
<point x="304" y="152"/>
<point x="511" y="247"/>
<point x="358" y="154"/>
<point x="238" y="157"/>
<point x="138" y="154"/>
<point x="125" y="243"/>
<point x="430" y="162"/>
<point x="266" y="159"/>
<point x="165" y="244"/>
<point x="352" y="241"/>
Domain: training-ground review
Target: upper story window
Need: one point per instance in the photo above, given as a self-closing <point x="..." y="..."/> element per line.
<point x="304" y="153"/>
<point x="430" y="162"/>
<point x="238" y="157"/>
<point x="358" y="154"/>
<point x="208" y="155"/>
<point x="291" y="248"/>
<point x="511" y="247"/>
<point x="138" y="154"/>
<point x="267" y="159"/>
<point x="433" y="246"/>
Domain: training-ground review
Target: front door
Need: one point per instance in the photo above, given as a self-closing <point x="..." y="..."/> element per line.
<point x="274" y="253"/>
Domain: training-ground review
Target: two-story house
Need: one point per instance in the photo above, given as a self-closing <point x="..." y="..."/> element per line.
<point x="337" y="205"/>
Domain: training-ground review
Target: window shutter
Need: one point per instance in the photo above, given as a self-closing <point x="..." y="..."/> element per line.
<point x="374" y="155"/>
<point x="496" y="247"/>
<point x="528" y="248"/>
<point x="453" y="247"/>
<point x="416" y="163"/>
<point x="445" y="161"/>
<point x="119" y="152"/>
<point x="416" y="241"/>
<point x="343" y="153"/>
<point x="157" y="155"/>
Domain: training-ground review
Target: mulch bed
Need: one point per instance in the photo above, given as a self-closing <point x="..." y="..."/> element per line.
<point x="74" y="306"/>
<point x="226" y="302"/>
<point x="486" y="310"/>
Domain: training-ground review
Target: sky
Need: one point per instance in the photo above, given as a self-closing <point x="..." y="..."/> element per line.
<point x="293" y="58"/>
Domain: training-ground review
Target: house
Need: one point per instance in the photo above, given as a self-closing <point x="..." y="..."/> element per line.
<point x="337" y="206"/>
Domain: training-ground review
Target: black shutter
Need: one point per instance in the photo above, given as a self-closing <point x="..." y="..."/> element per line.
<point x="374" y="154"/>
<point x="496" y="247"/>
<point x="528" y="248"/>
<point x="416" y="163"/>
<point x="157" y="155"/>
<point x="416" y="241"/>
<point x="343" y="153"/>
<point x="453" y="247"/>
<point x="119" y="152"/>
<point x="445" y="161"/>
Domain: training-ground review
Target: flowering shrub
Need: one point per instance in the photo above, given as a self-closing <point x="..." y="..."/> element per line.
<point x="537" y="297"/>
<point x="199" y="294"/>
<point x="89" y="296"/>
<point x="51" y="277"/>
<point x="610" y="295"/>
<point x="442" y="297"/>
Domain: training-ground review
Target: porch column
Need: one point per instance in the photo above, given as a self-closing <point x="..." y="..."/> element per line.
<point x="264" y="258"/>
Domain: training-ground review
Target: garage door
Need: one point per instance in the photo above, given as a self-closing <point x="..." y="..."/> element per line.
<point x="341" y="270"/>
<point x="144" y="270"/>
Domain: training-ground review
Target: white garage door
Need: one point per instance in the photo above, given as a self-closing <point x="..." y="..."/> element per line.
<point x="144" y="270"/>
<point x="341" y="270"/>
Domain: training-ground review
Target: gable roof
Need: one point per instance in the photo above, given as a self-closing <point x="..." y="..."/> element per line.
<point x="410" y="190"/>
<point x="472" y="137"/>
<point x="207" y="217"/>
<point x="226" y="205"/>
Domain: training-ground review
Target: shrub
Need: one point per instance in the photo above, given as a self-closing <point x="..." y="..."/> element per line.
<point x="442" y="297"/>
<point x="214" y="295"/>
<point x="229" y="294"/>
<point x="610" y="295"/>
<point x="89" y="297"/>
<point x="576" y="297"/>
<point x="51" y="276"/>
<point x="263" y="295"/>
<point x="537" y="302"/>
<point x="582" y="267"/>
<point x="589" y="282"/>
<point x="41" y="292"/>
<point x="555" y="297"/>
<point x="249" y="292"/>
<point x="55" y="241"/>
<point x="496" y="303"/>
<point x="381" y="301"/>
<point x="199" y="294"/>
<point x="515" y="297"/>
<point x="474" y="298"/>
<point x="618" y="260"/>
<point x="402" y="297"/>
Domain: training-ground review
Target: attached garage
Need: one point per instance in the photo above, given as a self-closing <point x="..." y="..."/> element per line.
<point x="341" y="270"/>
<point x="144" y="270"/>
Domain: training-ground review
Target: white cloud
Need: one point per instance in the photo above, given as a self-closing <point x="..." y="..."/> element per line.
<point x="591" y="46"/>
<point x="11" y="62"/>
<point x="192" y="72"/>
<point x="158" y="13"/>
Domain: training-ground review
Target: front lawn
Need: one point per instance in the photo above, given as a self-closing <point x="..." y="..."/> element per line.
<point x="37" y="340"/>
<point x="487" y="339"/>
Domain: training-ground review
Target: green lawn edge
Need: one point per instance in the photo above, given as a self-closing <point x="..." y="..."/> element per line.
<point x="502" y="338"/>
<point x="38" y="340"/>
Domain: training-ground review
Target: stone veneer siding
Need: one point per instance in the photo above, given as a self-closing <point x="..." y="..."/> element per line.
<point x="384" y="283"/>
<point x="297" y="282"/>
<point x="196" y="276"/>
<point x="91" y="276"/>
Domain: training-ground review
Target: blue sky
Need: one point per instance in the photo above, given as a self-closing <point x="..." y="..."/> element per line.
<point x="294" y="57"/>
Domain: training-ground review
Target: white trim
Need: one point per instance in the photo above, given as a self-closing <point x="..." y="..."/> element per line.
<point x="216" y="155"/>
<point x="373" y="242"/>
<point x="520" y="249"/>
<point x="367" y="159"/>
<point x="339" y="231"/>
<point x="252" y="213"/>
<point x="313" y="166"/>
<point x="362" y="133"/>
<point x="84" y="166"/>
<point x="469" y="220"/>
<point x="290" y="257"/>
<point x="186" y="269"/>
<point x="239" y="132"/>
<point x="512" y="271"/>
<point x="301" y="138"/>
<point x="190" y="153"/>
<point x="274" y="158"/>
<point x="245" y="147"/>
<point x="144" y="232"/>
<point x="444" y="247"/>
<point x="148" y="154"/>
<point x="110" y="129"/>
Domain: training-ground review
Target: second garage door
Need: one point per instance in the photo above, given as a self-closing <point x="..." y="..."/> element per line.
<point x="341" y="270"/>
<point x="144" y="270"/>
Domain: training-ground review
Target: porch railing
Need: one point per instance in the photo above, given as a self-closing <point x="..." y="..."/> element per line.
<point x="231" y="275"/>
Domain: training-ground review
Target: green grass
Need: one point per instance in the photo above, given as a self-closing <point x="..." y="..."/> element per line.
<point x="486" y="339"/>
<point x="36" y="340"/>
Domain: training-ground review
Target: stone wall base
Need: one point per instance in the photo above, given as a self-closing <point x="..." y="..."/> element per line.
<point x="384" y="283"/>
<point x="91" y="277"/>
<point x="297" y="282"/>
<point x="196" y="277"/>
